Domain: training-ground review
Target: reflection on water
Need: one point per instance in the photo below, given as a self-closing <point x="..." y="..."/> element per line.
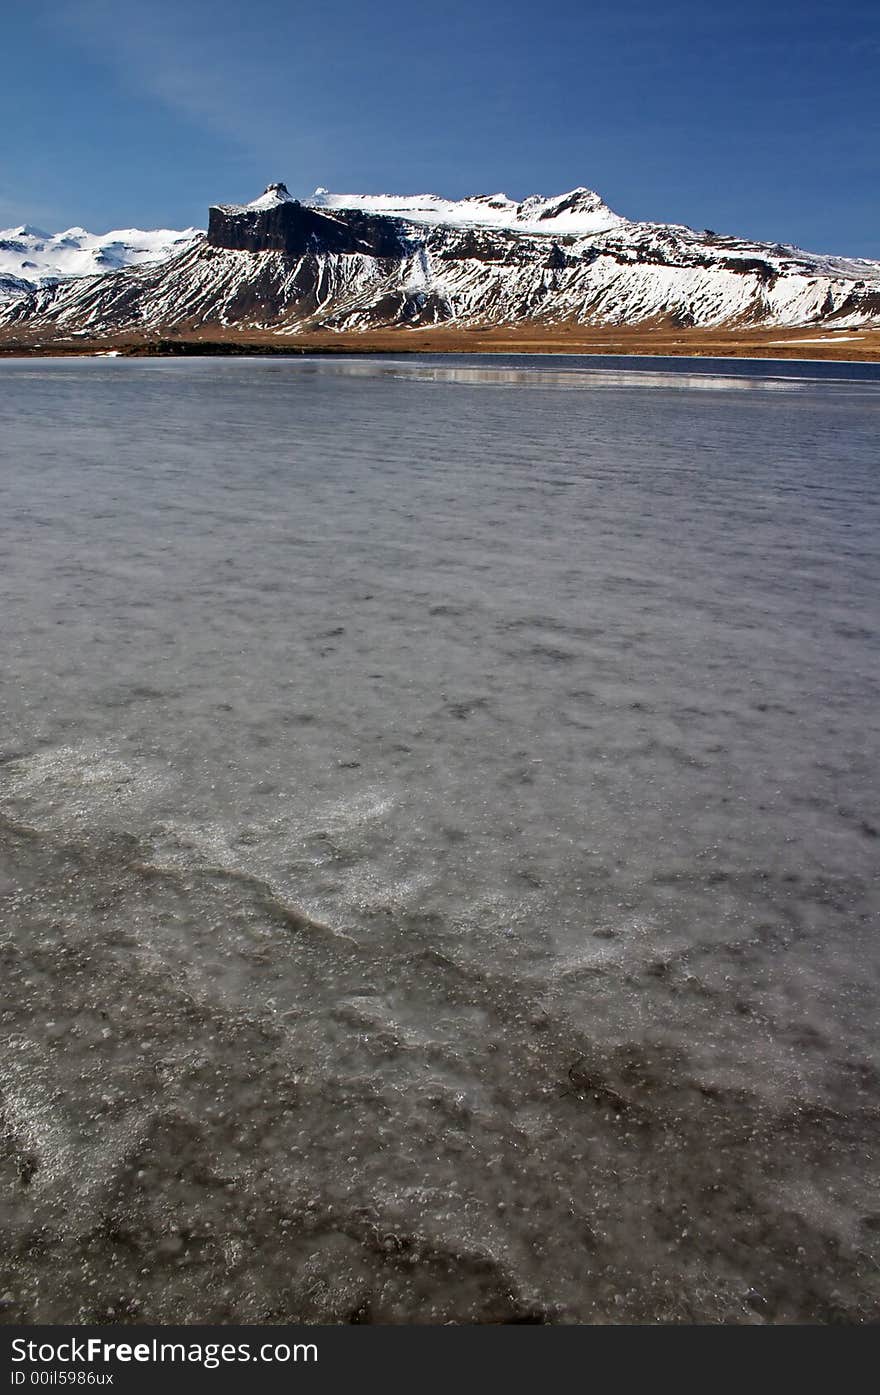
<point x="584" y="379"/>
<point x="438" y="841"/>
<point x="593" y="371"/>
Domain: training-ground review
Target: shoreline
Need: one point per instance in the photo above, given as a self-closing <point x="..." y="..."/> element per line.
<point x="24" y="356"/>
<point x="860" y="346"/>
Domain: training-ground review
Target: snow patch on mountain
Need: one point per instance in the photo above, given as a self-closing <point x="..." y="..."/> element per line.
<point x="272" y="196"/>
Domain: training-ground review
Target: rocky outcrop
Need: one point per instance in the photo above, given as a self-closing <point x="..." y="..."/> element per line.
<point x="291" y="227"/>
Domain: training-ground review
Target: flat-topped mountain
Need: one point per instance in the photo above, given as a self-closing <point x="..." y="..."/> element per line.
<point x="276" y="222"/>
<point x="358" y="262"/>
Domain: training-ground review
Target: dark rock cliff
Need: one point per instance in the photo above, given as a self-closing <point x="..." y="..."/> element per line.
<point x="291" y="227"/>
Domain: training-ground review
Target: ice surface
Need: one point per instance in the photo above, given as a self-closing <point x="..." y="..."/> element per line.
<point x="438" y="841"/>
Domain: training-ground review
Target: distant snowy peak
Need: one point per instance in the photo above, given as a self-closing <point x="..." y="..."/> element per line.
<point x="30" y="257"/>
<point x="578" y="213"/>
<point x="26" y="230"/>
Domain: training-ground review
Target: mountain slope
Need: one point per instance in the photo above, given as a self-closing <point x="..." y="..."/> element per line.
<point x="357" y="262"/>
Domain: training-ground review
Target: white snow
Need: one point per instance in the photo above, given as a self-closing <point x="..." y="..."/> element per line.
<point x="37" y="258"/>
<point x="271" y="197"/>
<point x="577" y="213"/>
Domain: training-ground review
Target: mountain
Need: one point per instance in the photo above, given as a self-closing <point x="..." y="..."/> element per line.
<point x="355" y="262"/>
<point x="30" y="258"/>
<point x="578" y="213"/>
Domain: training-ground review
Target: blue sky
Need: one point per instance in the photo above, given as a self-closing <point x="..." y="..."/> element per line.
<point x="755" y="118"/>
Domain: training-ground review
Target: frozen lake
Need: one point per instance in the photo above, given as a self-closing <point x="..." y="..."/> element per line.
<point x="439" y="840"/>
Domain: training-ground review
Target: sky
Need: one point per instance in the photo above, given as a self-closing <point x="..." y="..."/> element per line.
<point x="752" y="118"/>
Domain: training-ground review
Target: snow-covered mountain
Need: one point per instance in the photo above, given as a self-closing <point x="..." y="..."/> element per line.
<point x="355" y="261"/>
<point x="576" y="214"/>
<point x="579" y="212"/>
<point x="30" y="258"/>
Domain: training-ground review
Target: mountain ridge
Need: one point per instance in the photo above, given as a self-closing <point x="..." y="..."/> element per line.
<point x="356" y="262"/>
<point x="31" y="259"/>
